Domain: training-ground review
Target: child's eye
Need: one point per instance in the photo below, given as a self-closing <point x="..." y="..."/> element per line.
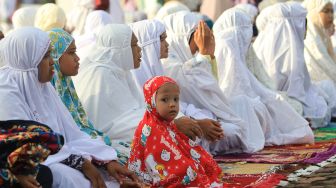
<point x="176" y="99"/>
<point x="164" y="100"/>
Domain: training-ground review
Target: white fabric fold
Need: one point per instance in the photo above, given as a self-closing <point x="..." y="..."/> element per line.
<point x="24" y="97"/>
<point x="283" y="59"/>
<point x="148" y="34"/>
<point x="24" y="17"/>
<point x="93" y="24"/>
<point x="233" y="35"/>
<point x="319" y="54"/>
<point x="106" y="87"/>
<point x="200" y="88"/>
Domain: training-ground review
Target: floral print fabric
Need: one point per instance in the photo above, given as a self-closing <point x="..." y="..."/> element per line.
<point x="24" y="145"/>
<point x="60" y="41"/>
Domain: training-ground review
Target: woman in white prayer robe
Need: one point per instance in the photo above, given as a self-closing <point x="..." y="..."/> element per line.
<point x="233" y="35"/>
<point x="26" y="94"/>
<point x="319" y="54"/>
<point x="93" y="24"/>
<point x="152" y="40"/>
<point x="108" y="91"/>
<point x="105" y="84"/>
<point x="241" y="119"/>
<point x="282" y="57"/>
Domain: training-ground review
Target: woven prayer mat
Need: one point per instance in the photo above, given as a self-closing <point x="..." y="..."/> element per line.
<point x="307" y="153"/>
<point x="251" y="175"/>
<point x="325" y="133"/>
<point x="246" y="168"/>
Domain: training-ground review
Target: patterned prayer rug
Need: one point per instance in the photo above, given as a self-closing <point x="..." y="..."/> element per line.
<point x="284" y="165"/>
<point x="307" y="153"/>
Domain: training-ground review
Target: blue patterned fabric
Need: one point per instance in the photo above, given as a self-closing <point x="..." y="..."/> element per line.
<point x="60" y="41"/>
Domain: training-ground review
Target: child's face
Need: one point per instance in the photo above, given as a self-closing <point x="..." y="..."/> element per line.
<point x="167" y="101"/>
<point x="68" y="62"/>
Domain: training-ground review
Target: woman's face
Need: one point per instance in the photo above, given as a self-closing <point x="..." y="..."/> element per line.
<point x="136" y="51"/>
<point x="69" y="61"/>
<point x="46" y="68"/>
<point x="163" y="46"/>
<point x="327" y="16"/>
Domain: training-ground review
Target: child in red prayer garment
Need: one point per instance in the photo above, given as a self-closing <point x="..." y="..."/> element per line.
<point x="161" y="155"/>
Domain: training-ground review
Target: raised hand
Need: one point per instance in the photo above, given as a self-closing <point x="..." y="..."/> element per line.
<point x="204" y="39"/>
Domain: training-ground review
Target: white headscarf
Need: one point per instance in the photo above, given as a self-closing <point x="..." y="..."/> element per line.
<point x="25" y="98"/>
<point x="24" y="17"/>
<point x="249" y="9"/>
<point x="233" y="34"/>
<point x="77" y="16"/>
<point x="94" y="22"/>
<point x="50" y="16"/>
<point x="282" y="54"/>
<point x="106" y="87"/>
<point x="179" y="31"/>
<point x="148" y="34"/>
<point x="170" y="8"/>
<point x="319" y="54"/>
<point x="116" y="12"/>
<point x="202" y="88"/>
<point x="266" y="3"/>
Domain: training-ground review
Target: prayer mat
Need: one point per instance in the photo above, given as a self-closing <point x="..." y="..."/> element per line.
<point x="307" y="153"/>
<point x="246" y="168"/>
<point x="325" y="133"/>
<point x="252" y="180"/>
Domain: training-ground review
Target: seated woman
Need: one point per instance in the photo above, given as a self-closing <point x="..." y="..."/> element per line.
<point x="233" y="34"/>
<point x="24" y="146"/>
<point x="161" y="155"/>
<point x="27" y="94"/>
<point x="117" y="107"/>
<point x="283" y="59"/>
<point x="66" y="65"/>
<point x="319" y="54"/>
<point x="105" y="85"/>
<point x="152" y="40"/>
<point x="191" y="63"/>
